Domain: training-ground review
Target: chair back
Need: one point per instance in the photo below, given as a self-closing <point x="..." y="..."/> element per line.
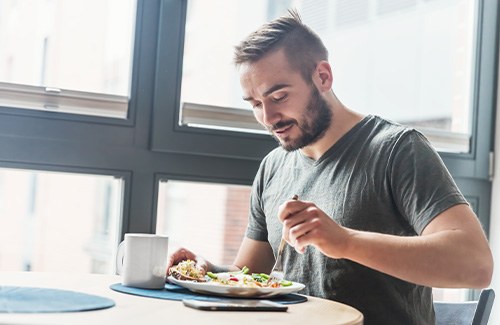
<point x="484" y="306"/>
<point x="465" y="313"/>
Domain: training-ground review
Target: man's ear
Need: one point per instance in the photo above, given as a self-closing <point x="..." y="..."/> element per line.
<point x="323" y="77"/>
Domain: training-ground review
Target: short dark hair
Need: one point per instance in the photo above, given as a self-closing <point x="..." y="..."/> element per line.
<point x="303" y="47"/>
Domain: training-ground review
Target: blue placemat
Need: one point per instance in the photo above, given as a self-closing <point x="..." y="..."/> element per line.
<point x="44" y="300"/>
<point x="175" y="292"/>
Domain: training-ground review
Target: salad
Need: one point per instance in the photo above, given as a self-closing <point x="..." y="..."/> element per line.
<point x="187" y="270"/>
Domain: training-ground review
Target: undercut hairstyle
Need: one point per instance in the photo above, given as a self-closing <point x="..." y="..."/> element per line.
<point x="302" y="46"/>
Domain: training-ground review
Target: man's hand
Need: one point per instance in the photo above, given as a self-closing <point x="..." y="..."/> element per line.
<point x="182" y="254"/>
<point x="451" y="252"/>
<point x="305" y="224"/>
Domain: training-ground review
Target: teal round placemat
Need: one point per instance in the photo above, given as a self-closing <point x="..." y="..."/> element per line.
<point x="175" y="292"/>
<point x="45" y="300"/>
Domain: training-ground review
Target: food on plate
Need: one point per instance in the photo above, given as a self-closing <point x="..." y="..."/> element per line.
<point x="186" y="270"/>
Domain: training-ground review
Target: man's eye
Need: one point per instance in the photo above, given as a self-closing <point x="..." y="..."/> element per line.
<point x="257" y="105"/>
<point x="279" y="99"/>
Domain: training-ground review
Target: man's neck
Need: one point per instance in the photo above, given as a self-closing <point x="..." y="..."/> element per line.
<point x="343" y="120"/>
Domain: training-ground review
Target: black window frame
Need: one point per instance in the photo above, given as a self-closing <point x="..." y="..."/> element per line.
<point x="169" y="136"/>
<point x="468" y="169"/>
<point x="150" y="142"/>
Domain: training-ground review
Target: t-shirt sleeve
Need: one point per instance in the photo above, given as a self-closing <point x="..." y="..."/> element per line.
<point x="257" y="227"/>
<point x="421" y="185"/>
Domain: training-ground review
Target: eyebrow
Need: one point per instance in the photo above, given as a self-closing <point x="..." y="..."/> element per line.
<point x="269" y="91"/>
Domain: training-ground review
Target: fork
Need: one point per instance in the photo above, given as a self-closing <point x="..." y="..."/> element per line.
<point x="277" y="270"/>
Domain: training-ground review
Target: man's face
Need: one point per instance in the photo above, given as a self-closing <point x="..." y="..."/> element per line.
<point x="291" y="109"/>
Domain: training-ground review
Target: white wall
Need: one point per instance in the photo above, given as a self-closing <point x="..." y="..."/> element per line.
<point x="495" y="221"/>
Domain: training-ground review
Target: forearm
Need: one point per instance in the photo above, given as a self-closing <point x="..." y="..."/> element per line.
<point x="221" y="268"/>
<point x="256" y="255"/>
<point x="448" y="258"/>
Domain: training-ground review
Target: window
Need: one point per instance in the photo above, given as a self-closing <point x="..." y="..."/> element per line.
<point x="419" y="70"/>
<point x="58" y="222"/>
<point x="209" y="219"/>
<point x="150" y="144"/>
<point x="441" y="79"/>
<point x="452" y="295"/>
<point x="67" y="56"/>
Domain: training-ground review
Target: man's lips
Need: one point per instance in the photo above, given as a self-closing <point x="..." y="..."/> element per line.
<point x="281" y="132"/>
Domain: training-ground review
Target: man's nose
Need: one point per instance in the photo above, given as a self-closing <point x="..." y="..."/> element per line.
<point x="270" y="115"/>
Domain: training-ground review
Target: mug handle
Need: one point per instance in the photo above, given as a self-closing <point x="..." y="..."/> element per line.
<point x="119" y="258"/>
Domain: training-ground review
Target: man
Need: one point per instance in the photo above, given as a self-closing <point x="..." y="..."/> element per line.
<point x="379" y="220"/>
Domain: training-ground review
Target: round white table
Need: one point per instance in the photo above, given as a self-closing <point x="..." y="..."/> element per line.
<point x="130" y="309"/>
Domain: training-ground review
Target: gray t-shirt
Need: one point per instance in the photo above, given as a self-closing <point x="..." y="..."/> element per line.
<point x="379" y="177"/>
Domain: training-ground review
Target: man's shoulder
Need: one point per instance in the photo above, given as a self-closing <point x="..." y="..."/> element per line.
<point x="389" y="126"/>
<point x="390" y="132"/>
<point x="276" y="157"/>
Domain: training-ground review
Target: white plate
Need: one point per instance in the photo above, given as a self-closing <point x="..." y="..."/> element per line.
<point x="218" y="289"/>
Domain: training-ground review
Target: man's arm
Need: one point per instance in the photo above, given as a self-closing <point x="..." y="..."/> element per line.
<point x="256" y="255"/>
<point x="451" y="252"/>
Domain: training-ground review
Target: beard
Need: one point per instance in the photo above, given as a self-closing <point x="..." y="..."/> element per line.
<point x="313" y="124"/>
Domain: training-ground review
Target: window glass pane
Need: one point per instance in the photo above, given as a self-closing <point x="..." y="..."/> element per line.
<point x="209" y="219"/>
<point x="81" y="45"/>
<point x="65" y="55"/>
<point x="452" y="295"/>
<point x="410" y="61"/>
<point x="58" y="222"/>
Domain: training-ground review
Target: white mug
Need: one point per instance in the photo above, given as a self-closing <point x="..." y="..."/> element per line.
<point x="141" y="260"/>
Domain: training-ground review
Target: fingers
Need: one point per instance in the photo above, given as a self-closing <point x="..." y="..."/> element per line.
<point x="308" y="238"/>
<point x="289" y="213"/>
<point x="299" y="226"/>
<point x="301" y="229"/>
<point x="183" y="254"/>
<point x="179" y="255"/>
<point x="292" y="207"/>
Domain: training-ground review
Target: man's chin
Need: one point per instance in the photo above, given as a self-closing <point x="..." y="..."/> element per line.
<point x="296" y="144"/>
<point x="288" y="145"/>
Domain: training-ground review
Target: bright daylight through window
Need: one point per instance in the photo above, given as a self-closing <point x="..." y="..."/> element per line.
<point x="58" y="222"/>
<point x="208" y="218"/>
<point x="67" y="56"/>
<point x="410" y="61"/>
